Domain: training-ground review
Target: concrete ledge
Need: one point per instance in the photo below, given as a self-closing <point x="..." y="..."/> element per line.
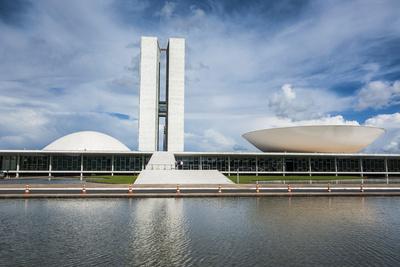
<point x="196" y="195"/>
<point x="205" y="190"/>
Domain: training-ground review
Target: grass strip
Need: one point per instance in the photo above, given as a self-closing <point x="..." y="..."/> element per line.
<point x="116" y="179"/>
<point x="250" y="179"/>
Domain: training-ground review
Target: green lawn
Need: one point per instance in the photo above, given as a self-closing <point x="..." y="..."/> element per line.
<point x="116" y="179"/>
<point x="249" y="179"/>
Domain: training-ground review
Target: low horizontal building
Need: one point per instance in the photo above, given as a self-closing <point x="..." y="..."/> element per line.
<point x="88" y="153"/>
<point x="61" y="163"/>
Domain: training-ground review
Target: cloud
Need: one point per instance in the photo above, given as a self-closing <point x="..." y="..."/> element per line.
<point x="385" y="120"/>
<point x="70" y="70"/>
<point x="68" y="65"/>
<point x="167" y="10"/>
<point x="303" y="103"/>
<point x="378" y="94"/>
<point x="390" y="141"/>
<point x="209" y="140"/>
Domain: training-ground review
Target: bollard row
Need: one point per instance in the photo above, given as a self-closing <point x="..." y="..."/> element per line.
<point x="258" y="188"/>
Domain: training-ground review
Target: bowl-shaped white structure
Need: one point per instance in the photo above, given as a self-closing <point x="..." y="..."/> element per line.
<point x="86" y="141"/>
<point x="318" y="138"/>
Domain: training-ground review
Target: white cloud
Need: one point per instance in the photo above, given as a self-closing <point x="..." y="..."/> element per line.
<point x="288" y="92"/>
<point x="85" y="56"/>
<point x="385" y="120"/>
<point x="390" y="141"/>
<point x="378" y="94"/>
<point x="167" y="10"/>
<point x="303" y="103"/>
<point x="209" y="140"/>
<point x="393" y="146"/>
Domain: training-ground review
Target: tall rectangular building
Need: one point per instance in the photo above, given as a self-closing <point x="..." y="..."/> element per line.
<point x="149" y="93"/>
<point x="175" y="94"/>
<point x="151" y="107"/>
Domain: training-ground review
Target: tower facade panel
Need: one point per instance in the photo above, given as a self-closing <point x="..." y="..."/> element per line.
<point x="149" y="94"/>
<point x="175" y="94"/>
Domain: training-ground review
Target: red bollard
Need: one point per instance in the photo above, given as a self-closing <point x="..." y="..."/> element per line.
<point x="130" y="191"/>
<point x="289" y="189"/>
<point x="84" y="189"/>
<point x="219" y="189"/>
<point x="26" y="189"/>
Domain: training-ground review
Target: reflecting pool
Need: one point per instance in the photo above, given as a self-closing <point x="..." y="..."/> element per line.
<point x="297" y="231"/>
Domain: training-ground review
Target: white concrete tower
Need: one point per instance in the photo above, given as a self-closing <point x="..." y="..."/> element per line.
<point x="151" y="107"/>
<point x="175" y="94"/>
<point x="149" y="93"/>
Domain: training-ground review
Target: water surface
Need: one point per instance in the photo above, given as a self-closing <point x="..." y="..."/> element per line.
<point x="298" y="231"/>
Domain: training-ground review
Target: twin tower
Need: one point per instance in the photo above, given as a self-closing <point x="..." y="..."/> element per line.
<point x="151" y="106"/>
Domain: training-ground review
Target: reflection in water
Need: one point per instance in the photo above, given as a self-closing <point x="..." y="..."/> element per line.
<point x="303" y="231"/>
<point x="160" y="227"/>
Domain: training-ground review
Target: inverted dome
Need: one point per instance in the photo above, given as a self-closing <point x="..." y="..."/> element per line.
<point x="86" y="141"/>
<point x="318" y="138"/>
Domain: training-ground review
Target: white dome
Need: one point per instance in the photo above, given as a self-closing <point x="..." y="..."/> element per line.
<point x="316" y="138"/>
<point x="86" y="141"/>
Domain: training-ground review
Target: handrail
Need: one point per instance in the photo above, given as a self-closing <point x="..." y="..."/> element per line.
<point x="160" y="167"/>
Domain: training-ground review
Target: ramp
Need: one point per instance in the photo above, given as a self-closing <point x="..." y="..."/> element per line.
<point x="161" y="170"/>
<point x="161" y="160"/>
<point x="182" y="177"/>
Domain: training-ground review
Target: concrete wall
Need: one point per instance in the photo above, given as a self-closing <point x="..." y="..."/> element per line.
<point x="175" y="94"/>
<point x="148" y="94"/>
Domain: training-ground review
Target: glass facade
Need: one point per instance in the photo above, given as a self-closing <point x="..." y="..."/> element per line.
<point x="189" y="162"/>
<point x="34" y="163"/>
<point x="373" y="165"/>
<point x="66" y="163"/>
<point x="129" y="163"/>
<point x="97" y="163"/>
<point x="8" y="163"/>
<point x="223" y="163"/>
<point x="215" y="163"/>
<point x="268" y="164"/>
<point x="247" y="164"/>
<point x="348" y="165"/>
<point x="297" y="165"/>
<point x="393" y="165"/>
<point x="322" y="164"/>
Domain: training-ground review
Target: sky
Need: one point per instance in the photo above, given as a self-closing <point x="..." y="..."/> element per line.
<point x="68" y="66"/>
